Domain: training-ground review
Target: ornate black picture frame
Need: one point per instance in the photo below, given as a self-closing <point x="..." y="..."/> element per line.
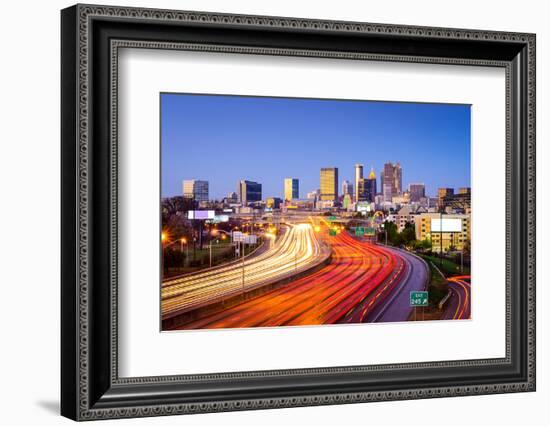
<point x="91" y="36"/>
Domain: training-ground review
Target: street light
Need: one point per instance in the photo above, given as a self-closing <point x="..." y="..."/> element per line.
<point x="386" y="232"/>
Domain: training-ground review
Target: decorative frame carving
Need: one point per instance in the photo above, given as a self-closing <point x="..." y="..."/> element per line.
<point x="84" y="397"/>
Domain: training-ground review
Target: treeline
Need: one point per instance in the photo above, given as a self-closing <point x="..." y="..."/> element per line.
<point x="405" y="238"/>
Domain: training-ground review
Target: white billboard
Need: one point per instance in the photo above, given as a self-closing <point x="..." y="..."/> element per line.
<point x="238" y="236"/>
<point x="446" y="225"/>
<point x="246" y="239"/>
<point x="363" y="206"/>
<point x="200" y="214"/>
<point x="250" y="239"/>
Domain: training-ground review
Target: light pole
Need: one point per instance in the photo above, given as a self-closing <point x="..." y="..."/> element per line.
<point x="385" y="232"/>
<point x="296" y="257"/>
<point x="242" y="257"/>
<point x="215" y="231"/>
<point x="440" y="237"/>
<point x="182" y="241"/>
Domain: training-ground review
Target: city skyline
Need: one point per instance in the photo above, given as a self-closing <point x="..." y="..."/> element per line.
<point x="298" y="137"/>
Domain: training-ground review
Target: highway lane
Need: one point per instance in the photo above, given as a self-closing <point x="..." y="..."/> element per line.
<point x="390" y="303"/>
<point x="357" y="270"/>
<point x="298" y="249"/>
<point x="460" y="301"/>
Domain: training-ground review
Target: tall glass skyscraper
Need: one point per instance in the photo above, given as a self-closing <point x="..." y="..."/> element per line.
<point x="292" y="189"/>
<point x="249" y="192"/>
<point x="391" y="181"/>
<point x="195" y="189"/>
<point x="329" y="184"/>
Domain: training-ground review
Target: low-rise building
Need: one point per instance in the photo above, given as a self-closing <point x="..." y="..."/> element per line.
<point x="444" y="230"/>
<point x="406" y="214"/>
<point x="273" y="203"/>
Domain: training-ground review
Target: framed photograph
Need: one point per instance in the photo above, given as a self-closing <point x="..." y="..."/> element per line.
<point x="263" y="212"/>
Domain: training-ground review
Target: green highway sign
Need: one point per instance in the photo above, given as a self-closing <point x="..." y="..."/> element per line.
<point x="359" y="231"/>
<point x="418" y="298"/>
<point x="332" y="232"/>
<point x="369" y="231"/>
<point x="332" y="218"/>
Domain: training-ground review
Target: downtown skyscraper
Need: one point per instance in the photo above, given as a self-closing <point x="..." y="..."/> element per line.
<point x="358" y="184"/>
<point x="392" y="181"/>
<point x="195" y="189"/>
<point x="417" y="191"/>
<point x="249" y="192"/>
<point x="329" y="184"/>
<point x="292" y="189"/>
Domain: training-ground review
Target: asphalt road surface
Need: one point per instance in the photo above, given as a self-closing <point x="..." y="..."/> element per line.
<point x="363" y="283"/>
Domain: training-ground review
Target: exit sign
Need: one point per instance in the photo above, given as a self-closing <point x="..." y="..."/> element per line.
<point x="418" y="298"/>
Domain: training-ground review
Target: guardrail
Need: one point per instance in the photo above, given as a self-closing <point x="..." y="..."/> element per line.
<point x="444" y="300"/>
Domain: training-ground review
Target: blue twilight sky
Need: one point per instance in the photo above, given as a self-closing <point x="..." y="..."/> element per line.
<point x="224" y="139"/>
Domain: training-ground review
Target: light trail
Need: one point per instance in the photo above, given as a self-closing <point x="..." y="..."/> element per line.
<point x="359" y="274"/>
<point x="460" y="287"/>
<point x="296" y="251"/>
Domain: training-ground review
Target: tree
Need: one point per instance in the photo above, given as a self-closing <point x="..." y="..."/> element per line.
<point x="176" y="206"/>
<point x="466" y="247"/>
<point x="426" y="244"/>
<point x="393" y="236"/>
<point x="408" y="235"/>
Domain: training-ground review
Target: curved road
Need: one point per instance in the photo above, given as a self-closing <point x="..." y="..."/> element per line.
<point x="459" y="304"/>
<point x="364" y="282"/>
<point x="297" y="250"/>
<point x="391" y="302"/>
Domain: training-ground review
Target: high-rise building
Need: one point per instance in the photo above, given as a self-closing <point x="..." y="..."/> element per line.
<point x="361" y="190"/>
<point x="391" y="181"/>
<point x="370" y="186"/>
<point x="329" y="184"/>
<point x="292" y="189"/>
<point x="195" y="189"/>
<point x="465" y="190"/>
<point x="249" y="192"/>
<point x="358" y="177"/>
<point x="347" y="201"/>
<point x="417" y="191"/>
<point x="347" y="188"/>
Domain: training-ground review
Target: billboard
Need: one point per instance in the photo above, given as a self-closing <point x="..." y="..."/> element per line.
<point x="446" y="225"/>
<point x="237" y="236"/>
<point x="200" y="214"/>
<point x="246" y="239"/>
<point x="250" y="239"/>
<point x="363" y="206"/>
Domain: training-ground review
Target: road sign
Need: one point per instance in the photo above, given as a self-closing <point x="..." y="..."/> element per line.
<point x="418" y="298"/>
<point x="332" y="218"/>
<point x="359" y="231"/>
<point x="332" y="232"/>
